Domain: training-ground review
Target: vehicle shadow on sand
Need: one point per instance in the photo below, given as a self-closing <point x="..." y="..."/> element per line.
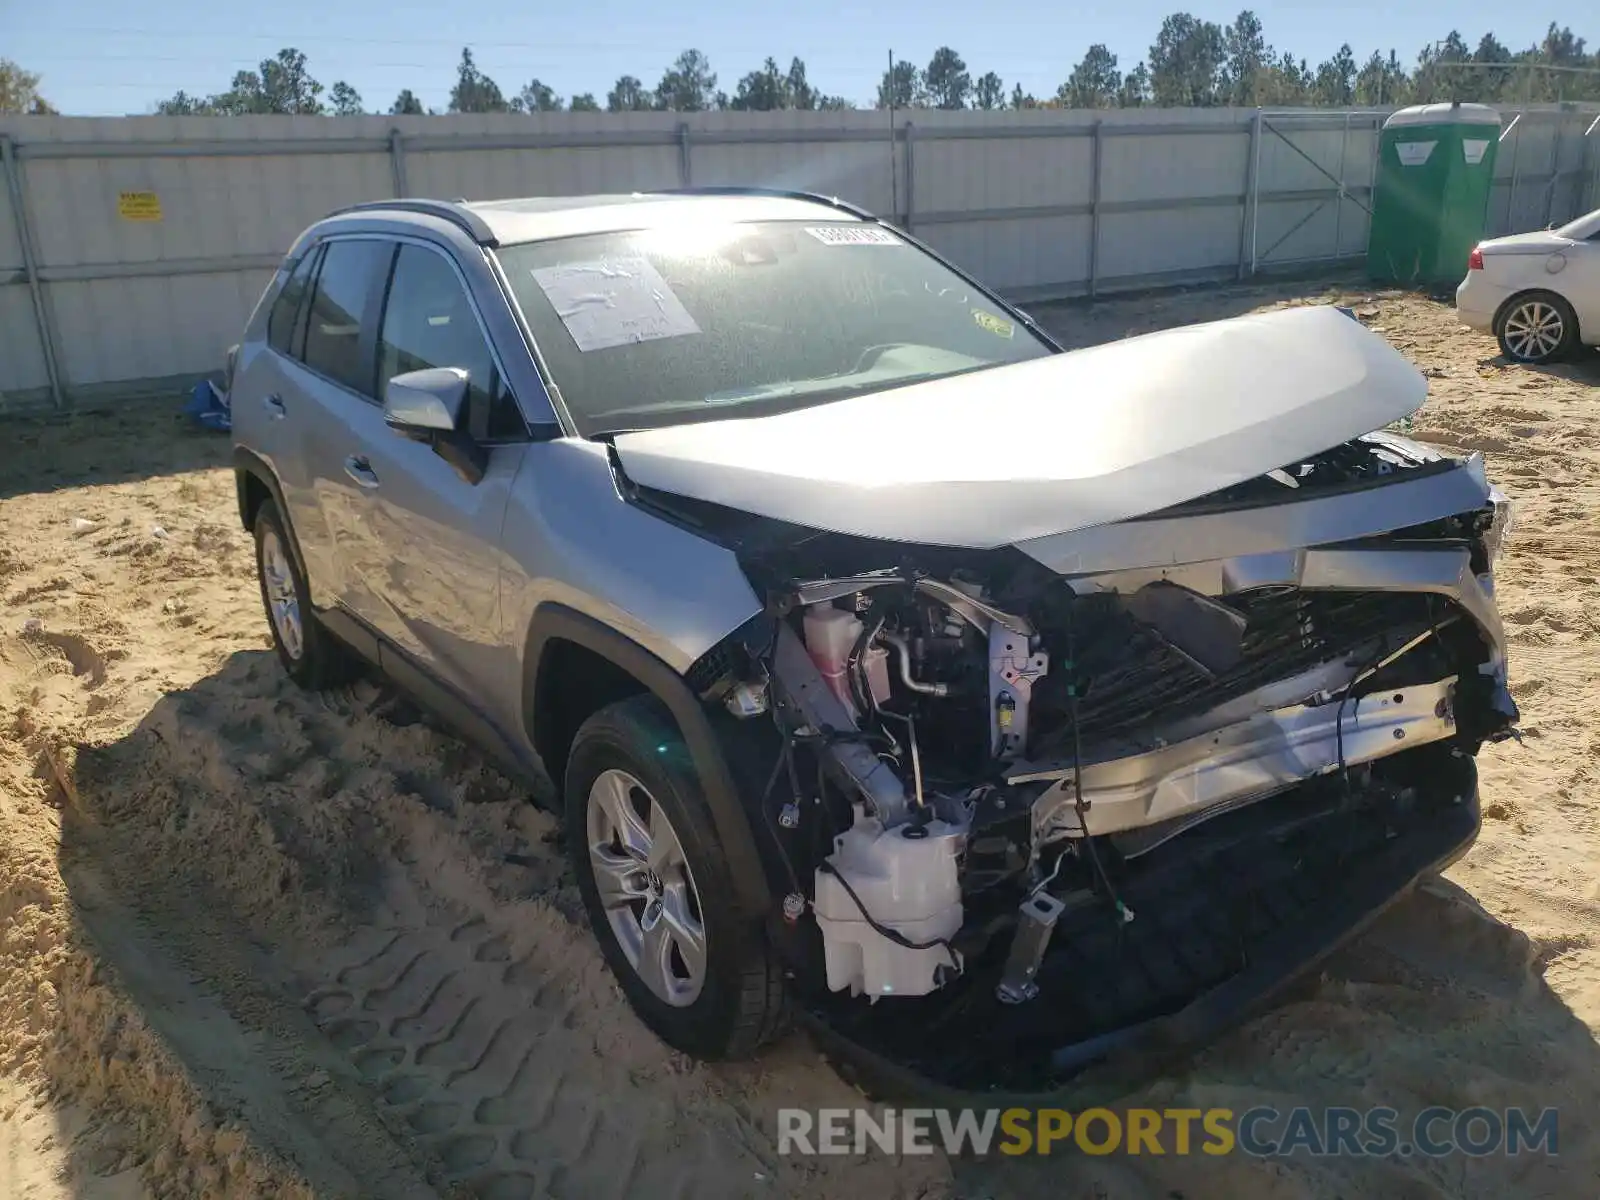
<point x="199" y="853"/>
<point x="240" y="803"/>
<point x="1582" y="367"/>
<point x="295" y="885"/>
<point x="123" y="445"/>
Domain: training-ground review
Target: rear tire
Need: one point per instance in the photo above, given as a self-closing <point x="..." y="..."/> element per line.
<point x="310" y="655"/>
<point x="656" y="887"/>
<point x="1537" y="327"/>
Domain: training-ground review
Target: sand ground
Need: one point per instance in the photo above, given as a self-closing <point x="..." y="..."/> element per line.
<point x="255" y="942"/>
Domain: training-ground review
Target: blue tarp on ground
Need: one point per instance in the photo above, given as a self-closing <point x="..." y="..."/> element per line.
<point x="208" y="406"/>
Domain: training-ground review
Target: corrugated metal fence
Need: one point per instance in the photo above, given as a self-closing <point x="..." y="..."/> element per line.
<point x="105" y="291"/>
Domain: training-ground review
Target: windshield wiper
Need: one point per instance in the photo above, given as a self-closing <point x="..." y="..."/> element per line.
<point x="762" y="391"/>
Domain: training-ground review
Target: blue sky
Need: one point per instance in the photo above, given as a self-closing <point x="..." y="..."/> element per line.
<point x="99" y="57"/>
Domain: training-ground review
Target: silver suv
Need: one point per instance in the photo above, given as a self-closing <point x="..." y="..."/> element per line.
<point x="999" y="711"/>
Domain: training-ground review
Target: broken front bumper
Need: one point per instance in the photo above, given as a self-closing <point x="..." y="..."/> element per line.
<point x="1226" y="916"/>
<point x="1196" y="778"/>
<point x="1256" y="744"/>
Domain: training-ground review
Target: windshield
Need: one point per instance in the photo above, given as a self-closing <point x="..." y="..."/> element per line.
<point x="658" y="327"/>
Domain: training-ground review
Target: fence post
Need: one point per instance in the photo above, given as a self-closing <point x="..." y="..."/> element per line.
<point x="397" y="161"/>
<point x="1095" y="185"/>
<point x="1555" y="166"/>
<point x="1252" y="199"/>
<point x="911" y="187"/>
<point x="685" y="174"/>
<point x="30" y="264"/>
<point x="1592" y="183"/>
<point x="1516" y="177"/>
<point x="1338" y="213"/>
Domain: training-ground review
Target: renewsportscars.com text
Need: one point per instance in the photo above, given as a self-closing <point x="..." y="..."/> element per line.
<point x="1262" y="1132"/>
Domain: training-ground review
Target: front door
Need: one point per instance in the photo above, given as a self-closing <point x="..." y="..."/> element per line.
<point x="424" y="564"/>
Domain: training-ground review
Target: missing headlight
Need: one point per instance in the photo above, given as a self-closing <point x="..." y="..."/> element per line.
<point x="1494" y="537"/>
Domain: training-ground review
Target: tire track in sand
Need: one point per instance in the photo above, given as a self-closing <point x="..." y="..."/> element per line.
<point x="480" y="1059"/>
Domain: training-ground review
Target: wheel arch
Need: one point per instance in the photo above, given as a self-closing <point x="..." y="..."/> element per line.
<point x="573" y="666"/>
<point x="1517" y="297"/>
<point x="254" y="484"/>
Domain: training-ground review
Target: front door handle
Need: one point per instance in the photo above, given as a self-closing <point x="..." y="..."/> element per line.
<point x="360" y="470"/>
<point x="274" y="406"/>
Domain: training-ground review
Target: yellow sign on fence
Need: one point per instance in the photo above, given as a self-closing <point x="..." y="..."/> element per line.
<point x="139" y="206"/>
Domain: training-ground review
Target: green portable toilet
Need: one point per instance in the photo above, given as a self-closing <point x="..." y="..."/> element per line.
<point x="1430" y="199"/>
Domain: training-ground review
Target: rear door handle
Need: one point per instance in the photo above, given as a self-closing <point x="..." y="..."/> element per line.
<point x="360" y="470"/>
<point x="274" y="406"/>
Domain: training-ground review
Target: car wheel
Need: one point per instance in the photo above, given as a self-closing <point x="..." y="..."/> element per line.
<point x="656" y="887"/>
<point x="1538" y="327"/>
<point x="311" y="656"/>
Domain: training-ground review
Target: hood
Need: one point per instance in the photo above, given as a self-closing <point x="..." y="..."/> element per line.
<point x="1050" y="445"/>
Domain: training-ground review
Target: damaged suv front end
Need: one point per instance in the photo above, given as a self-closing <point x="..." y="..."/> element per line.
<point x="1087" y="697"/>
<point x="1057" y="780"/>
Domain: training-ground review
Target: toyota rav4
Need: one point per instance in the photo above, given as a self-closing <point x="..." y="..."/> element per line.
<point x="1007" y="714"/>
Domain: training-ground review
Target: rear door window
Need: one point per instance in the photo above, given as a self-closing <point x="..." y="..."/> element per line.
<point x="346" y="286"/>
<point x="282" y="321"/>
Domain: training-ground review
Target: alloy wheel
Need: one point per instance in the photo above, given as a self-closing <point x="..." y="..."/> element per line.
<point x="646" y="888"/>
<point x="1533" y="330"/>
<point x="283" y="603"/>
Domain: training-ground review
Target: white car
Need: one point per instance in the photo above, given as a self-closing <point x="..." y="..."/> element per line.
<point x="1539" y="293"/>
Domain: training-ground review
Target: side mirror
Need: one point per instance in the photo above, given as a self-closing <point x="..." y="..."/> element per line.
<point x="426" y="402"/>
<point x="426" y="406"/>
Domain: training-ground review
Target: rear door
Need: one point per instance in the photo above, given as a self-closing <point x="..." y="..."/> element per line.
<point x="272" y="413"/>
<point x="328" y="385"/>
<point x="423" y="559"/>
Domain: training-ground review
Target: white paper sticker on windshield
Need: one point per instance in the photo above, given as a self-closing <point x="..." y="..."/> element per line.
<point x="1414" y="154"/>
<point x="853" y="235"/>
<point x="614" y="302"/>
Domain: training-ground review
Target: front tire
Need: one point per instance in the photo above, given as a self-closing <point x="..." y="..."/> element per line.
<point x="309" y="654"/>
<point x="1537" y="327"/>
<point x="656" y="887"/>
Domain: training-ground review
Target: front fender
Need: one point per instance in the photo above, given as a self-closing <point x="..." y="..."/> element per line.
<point x="557" y="622"/>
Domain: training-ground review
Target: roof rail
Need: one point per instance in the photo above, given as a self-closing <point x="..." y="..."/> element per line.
<point x="454" y="211"/>
<point x="780" y="193"/>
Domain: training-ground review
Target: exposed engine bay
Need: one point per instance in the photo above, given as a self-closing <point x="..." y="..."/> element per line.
<point x="981" y="765"/>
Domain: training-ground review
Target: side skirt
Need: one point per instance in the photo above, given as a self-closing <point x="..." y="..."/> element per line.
<point x="439" y="699"/>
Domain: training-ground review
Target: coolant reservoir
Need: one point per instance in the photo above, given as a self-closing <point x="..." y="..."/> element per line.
<point x="831" y="635"/>
<point x="907" y="883"/>
<point x="876" y="663"/>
